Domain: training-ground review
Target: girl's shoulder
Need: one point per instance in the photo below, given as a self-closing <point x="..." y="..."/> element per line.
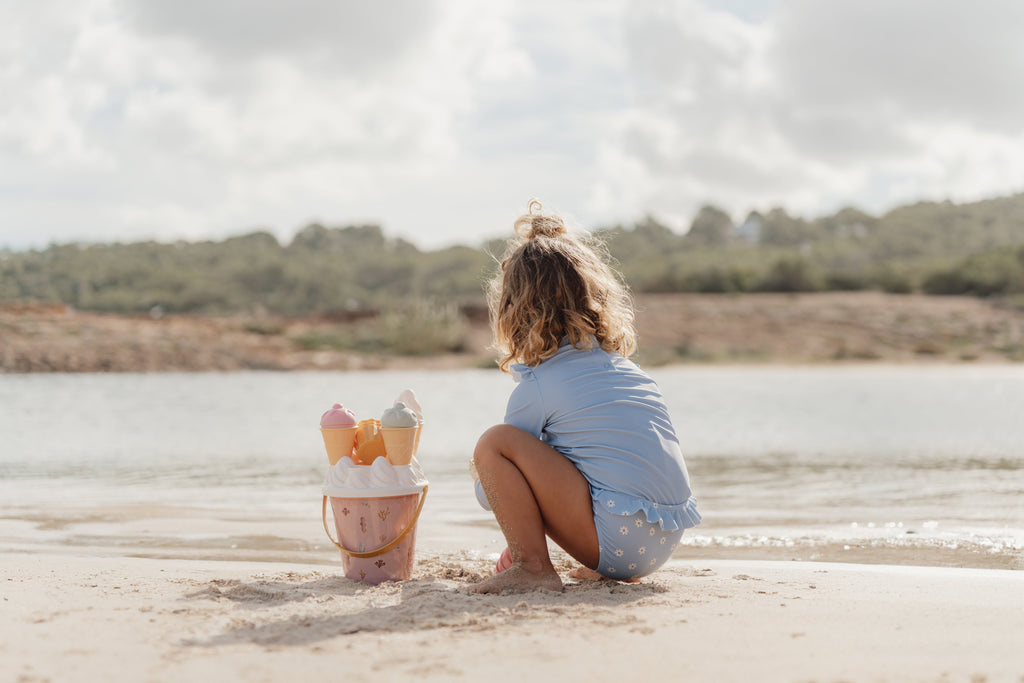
<point x="565" y="360"/>
<point x="569" y="360"/>
<point x="572" y="355"/>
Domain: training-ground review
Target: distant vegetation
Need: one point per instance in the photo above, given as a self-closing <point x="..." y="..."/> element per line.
<point x="323" y="270"/>
<point x="974" y="249"/>
<point x="937" y="248"/>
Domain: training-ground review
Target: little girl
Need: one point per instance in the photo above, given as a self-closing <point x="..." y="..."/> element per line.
<point x="587" y="454"/>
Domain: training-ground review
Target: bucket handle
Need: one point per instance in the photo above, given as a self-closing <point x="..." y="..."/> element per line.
<point x="382" y="549"/>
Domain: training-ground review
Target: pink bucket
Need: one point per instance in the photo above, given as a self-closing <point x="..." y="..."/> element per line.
<point x="376" y="535"/>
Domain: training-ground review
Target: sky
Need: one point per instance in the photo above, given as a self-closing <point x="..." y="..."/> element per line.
<point x="129" y="120"/>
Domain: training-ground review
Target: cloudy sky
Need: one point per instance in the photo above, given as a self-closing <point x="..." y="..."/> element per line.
<point x="186" y="119"/>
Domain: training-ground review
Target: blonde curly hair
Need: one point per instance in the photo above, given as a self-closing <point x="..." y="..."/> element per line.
<point x="554" y="286"/>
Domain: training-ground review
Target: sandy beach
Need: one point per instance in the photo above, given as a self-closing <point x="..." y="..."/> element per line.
<point x="81" y="618"/>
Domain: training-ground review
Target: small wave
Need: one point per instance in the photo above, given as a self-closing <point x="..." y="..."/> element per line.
<point x="997" y="552"/>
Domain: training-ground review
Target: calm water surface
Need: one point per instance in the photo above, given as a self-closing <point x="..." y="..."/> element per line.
<point x="874" y="458"/>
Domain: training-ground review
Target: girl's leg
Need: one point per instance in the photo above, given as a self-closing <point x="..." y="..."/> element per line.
<point x="534" y="491"/>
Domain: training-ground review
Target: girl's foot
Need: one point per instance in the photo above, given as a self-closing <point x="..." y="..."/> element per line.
<point x="585" y="574"/>
<point x="517" y="579"/>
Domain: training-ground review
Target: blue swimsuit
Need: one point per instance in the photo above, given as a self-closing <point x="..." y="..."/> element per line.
<point x="608" y="417"/>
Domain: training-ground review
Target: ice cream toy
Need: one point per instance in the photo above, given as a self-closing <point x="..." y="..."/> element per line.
<point x="408" y="397"/>
<point x="375" y="510"/>
<point x="375" y="489"/>
<point x="369" y="442"/>
<point x="338" y="426"/>
<point x="400" y="427"/>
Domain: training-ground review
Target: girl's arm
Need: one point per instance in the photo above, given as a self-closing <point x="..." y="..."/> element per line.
<point x="526" y="406"/>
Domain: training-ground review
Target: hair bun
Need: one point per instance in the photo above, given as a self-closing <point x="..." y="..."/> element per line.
<point x="535" y="224"/>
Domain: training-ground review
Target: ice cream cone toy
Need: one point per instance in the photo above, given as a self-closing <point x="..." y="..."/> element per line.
<point x="416" y="441"/>
<point x="408" y="397"/>
<point x="369" y="442"/>
<point x="399" y="444"/>
<point x="400" y="427"/>
<point x="368" y="429"/>
<point x="338" y="428"/>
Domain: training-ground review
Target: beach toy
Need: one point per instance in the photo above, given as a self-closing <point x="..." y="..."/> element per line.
<point x="338" y="427"/>
<point x="504" y="562"/>
<point x="400" y="428"/>
<point x="369" y="442"/>
<point x="408" y="397"/>
<point x="375" y="509"/>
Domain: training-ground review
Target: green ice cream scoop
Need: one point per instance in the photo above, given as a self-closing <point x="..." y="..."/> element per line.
<point x="398" y="415"/>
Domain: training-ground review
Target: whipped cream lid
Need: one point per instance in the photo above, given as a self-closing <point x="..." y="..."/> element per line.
<point x="345" y="479"/>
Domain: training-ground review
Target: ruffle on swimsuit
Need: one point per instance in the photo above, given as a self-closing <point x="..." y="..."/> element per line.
<point x="521" y="372"/>
<point x="669" y="517"/>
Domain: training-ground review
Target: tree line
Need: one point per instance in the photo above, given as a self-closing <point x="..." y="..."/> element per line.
<point x="931" y="247"/>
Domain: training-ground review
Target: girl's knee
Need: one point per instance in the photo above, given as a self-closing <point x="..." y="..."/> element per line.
<point x="494" y="442"/>
<point x="496" y="436"/>
<point x="487" y="443"/>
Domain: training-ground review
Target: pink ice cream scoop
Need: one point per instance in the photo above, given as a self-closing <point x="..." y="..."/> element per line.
<point x="338" y="418"/>
<point x="338" y="427"/>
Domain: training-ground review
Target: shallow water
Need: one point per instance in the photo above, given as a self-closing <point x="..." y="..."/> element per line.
<point x="902" y="464"/>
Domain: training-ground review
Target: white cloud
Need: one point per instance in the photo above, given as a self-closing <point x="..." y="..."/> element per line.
<point x="928" y="60"/>
<point x="344" y="37"/>
<point x="135" y="119"/>
<point x="823" y="104"/>
<point x="200" y="118"/>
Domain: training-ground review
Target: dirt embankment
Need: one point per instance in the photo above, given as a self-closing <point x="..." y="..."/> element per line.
<point x="674" y="328"/>
<point x="829" y="327"/>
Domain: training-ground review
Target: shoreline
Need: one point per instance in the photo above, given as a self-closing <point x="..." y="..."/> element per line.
<point x="74" y="617"/>
<point x="175" y="532"/>
<point x="824" y="328"/>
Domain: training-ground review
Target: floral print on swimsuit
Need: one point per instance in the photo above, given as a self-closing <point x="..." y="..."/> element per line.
<point x="627" y="548"/>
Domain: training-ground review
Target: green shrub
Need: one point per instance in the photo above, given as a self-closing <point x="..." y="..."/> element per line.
<point x="985" y="274"/>
<point x="420" y="328"/>
<point x="893" y="281"/>
<point x="792" y="274"/>
<point x="423" y="329"/>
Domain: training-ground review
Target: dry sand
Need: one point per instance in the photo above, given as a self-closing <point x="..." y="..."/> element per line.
<point x="84" y="618"/>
